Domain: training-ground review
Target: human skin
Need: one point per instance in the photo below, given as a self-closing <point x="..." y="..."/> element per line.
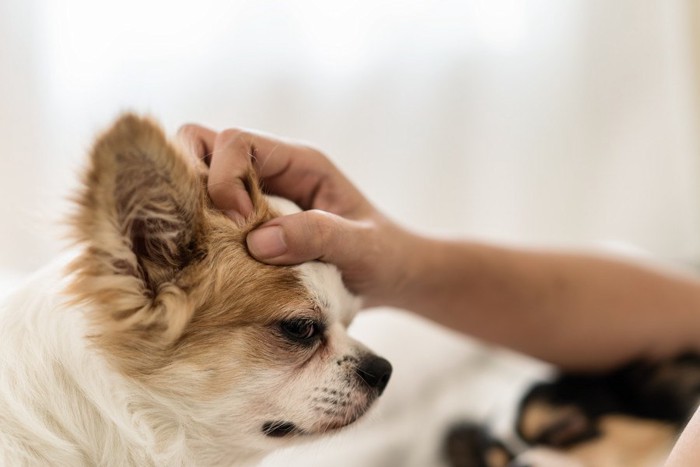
<point x="686" y="452"/>
<point x="578" y="311"/>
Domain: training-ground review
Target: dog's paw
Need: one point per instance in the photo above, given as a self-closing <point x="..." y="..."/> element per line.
<point x="471" y="445"/>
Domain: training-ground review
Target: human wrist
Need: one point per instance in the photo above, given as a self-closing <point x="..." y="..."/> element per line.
<point x="402" y="257"/>
<point x="430" y="272"/>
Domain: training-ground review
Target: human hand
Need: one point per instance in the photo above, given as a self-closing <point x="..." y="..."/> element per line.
<point x="338" y="224"/>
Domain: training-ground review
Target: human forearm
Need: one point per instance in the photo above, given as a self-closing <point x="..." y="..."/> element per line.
<point x="579" y="311"/>
<point x="575" y="310"/>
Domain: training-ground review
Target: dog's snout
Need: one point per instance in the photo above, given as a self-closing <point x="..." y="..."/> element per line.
<point x="375" y="371"/>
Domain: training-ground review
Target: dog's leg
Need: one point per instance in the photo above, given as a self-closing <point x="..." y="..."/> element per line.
<point x="471" y="445"/>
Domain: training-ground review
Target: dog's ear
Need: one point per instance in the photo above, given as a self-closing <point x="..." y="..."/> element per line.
<point x="142" y="202"/>
<point x="140" y="214"/>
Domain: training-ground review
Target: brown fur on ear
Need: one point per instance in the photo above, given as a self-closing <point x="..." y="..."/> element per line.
<point x="157" y="251"/>
<point x="140" y="216"/>
<point x="141" y="194"/>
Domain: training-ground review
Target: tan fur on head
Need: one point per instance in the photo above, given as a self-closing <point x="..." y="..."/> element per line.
<point x="175" y="346"/>
<point x="150" y="234"/>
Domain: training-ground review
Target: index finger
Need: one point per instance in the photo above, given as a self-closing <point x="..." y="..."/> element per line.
<point x="199" y="140"/>
<point x="291" y="170"/>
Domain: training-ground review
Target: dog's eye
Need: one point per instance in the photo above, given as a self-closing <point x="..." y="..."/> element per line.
<point x="302" y="330"/>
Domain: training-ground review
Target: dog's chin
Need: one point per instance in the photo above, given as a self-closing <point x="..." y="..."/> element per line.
<point x="288" y="430"/>
<point x="280" y="429"/>
<point x="283" y="429"/>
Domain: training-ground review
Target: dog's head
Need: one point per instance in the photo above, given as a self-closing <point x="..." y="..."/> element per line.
<point x="246" y="352"/>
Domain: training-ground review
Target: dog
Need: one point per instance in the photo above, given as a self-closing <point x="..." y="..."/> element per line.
<point x="626" y="417"/>
<point x="161" y="341"/>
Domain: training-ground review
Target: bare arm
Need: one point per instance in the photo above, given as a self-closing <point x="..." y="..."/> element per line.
<point x="686" y="452"/>
<point x="577" y="311"/>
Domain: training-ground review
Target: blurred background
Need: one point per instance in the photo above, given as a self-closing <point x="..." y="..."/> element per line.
<point x="538" y="122"/>
<point x="543" y="122"/>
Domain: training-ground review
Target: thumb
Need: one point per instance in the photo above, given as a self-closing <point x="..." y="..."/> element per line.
<point x="306" y="236"/>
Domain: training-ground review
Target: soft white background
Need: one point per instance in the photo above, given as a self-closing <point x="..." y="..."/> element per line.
<point x="541" y="122"/>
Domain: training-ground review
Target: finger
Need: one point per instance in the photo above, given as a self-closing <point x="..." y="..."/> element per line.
<point x="307" y="236"/>
<point x="198" y="140"/>
<point x="229" y="165"/>
<point x="288" y="169"/>
<point x="234" y="153"/>
<point x="299" y="173"/>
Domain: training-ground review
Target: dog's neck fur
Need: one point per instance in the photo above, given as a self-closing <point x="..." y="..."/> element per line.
<point x="164" y="342"/>
<point x="62" y="404"/>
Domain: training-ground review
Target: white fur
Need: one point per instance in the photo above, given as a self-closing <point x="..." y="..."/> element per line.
<point x="62" y="404"/>
<point x="59" y="402"/>
<point x="323" y="279"/>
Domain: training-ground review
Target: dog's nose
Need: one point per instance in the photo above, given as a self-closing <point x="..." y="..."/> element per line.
<point x="375" y="371"/>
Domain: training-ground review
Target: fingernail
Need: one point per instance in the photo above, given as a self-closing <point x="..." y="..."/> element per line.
<point x="235" y="216"/>
<point x="245" y="205"/>
<point x="267" y="242"/>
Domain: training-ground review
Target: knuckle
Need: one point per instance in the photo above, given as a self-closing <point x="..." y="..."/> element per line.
<point x="220" y="192"/>
<point x="322" y="226"/>
<point x="190" y="137"/>
<point x="229" y="133"/>
<point x="316" y="154"/>
<point x="232" y="136"/>
<point x="188" y="131"/>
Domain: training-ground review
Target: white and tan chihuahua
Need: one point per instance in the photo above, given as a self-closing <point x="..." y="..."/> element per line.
<point x="163" y="342"/>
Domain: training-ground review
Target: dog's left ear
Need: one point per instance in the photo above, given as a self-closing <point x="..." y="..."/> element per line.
<point x="142" y="203"/>
<point x="140" y="215"/>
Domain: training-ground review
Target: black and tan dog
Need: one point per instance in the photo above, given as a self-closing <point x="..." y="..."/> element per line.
<point x="629" y="417"/>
